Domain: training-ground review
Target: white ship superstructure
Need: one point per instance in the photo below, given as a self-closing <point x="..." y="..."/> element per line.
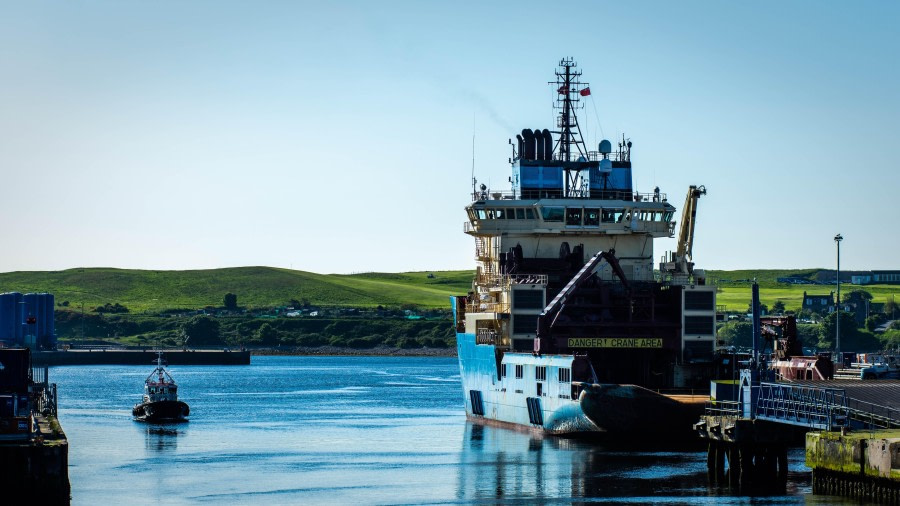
<point x="568" y="316"/>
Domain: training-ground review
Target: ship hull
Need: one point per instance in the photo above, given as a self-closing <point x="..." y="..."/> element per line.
<point x="565" y="409"/>
<point x="161" y="411"/>
<point x="631" y="409"/>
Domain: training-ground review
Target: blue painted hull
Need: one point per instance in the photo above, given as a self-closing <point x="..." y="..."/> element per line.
<point x="501" y="402"/>
<point x="559" y="408"/>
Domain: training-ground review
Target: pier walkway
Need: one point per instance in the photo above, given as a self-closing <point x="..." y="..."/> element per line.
<point x="749" y="436"/>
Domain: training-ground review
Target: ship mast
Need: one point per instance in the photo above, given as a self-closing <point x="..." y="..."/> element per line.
<point x="569" y="89"/>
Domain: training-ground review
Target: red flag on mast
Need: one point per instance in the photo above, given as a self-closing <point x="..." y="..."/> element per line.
<point x="585" y="92"/>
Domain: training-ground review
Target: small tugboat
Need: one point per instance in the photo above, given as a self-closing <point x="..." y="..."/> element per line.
<point x="160" y="403"/>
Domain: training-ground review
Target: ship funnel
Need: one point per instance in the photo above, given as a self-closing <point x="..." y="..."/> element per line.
<point x="539" y="144"/>
<point x="521" y="141"/>
<point x="528" y="136"/>
<point x="548" y="144"/>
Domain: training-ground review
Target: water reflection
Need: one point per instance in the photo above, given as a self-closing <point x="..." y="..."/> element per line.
<point x="161" y="438"/>
<point x="502" y="464"/>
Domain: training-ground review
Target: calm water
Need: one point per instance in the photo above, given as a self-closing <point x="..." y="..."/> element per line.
<point x="388" y="430"/>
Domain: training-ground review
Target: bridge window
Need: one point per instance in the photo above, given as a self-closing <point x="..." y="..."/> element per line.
<point x="540" y="373"/>
<point x="565" y="375"/>
<point x="520" y="214"/>
<point x="520" y="371"/>
<point x="529" y="214"/>
<point x="573" y="216"/>
<point x="553" y="213"/>
<point x="482" y="214"/>
<point x="499" y="214"/>
<point x="591" y="217"/>
<point x="612" y="215"/>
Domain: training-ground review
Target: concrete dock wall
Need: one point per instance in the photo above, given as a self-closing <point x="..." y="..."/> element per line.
<point x="863" y="465"/>
<point x="37" y="469"/>
<point x="139" y="357"/>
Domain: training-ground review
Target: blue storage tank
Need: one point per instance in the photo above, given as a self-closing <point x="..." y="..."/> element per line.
<point x="41" y="307"/>
<point x="49" y="338"/>
<point x="11" y="317"/>
<point x="32" y="306"/>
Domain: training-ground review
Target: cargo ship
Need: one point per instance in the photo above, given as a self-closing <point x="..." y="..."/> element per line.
<point x="571" y="326"/>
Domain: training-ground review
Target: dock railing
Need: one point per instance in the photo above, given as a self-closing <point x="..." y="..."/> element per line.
<point x="875" y="416"/>
<point x="823" y="408"/>
<point x="43" y="392"/>
<point x="724" y="408"/>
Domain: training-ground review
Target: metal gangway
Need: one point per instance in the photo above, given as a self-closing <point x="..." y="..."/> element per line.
<point x="818" y="407"/>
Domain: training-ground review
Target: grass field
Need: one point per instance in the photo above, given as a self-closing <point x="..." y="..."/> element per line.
<point x="734" y="291"/>
<point x="141" y="290"/>
<point x="154" y="291"/>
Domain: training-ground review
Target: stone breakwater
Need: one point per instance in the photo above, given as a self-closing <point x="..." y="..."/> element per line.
<point x="378" y="351"/>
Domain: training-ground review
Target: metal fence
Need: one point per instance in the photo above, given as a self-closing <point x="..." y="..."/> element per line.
<point x="823" y="408"/>
<point x="44" y="393"/>
<point x="873" y="416"/>
<point x="724" y="408"/>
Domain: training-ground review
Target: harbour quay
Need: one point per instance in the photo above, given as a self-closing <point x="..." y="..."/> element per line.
<point x="34" y="450"/>
<point x="102" y="355"/>
<point x="863" y="465"/>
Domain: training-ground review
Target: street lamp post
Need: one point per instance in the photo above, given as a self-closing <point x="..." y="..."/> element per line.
<point x="837" y="303"/>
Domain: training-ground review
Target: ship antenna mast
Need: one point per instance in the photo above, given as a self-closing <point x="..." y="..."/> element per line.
<point x="474" y="181"/>
<point x="569" y="90"/>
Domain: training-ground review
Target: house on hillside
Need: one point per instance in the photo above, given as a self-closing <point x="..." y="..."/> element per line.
<point x="822" y="304"/>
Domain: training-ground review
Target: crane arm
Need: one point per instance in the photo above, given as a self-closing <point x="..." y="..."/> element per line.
<point x="686" y="231"/>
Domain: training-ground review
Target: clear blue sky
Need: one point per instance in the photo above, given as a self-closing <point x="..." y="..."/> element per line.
<point x="336" y="137"/>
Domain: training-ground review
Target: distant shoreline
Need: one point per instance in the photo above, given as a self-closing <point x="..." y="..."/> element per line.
<point x="379" y="351"/>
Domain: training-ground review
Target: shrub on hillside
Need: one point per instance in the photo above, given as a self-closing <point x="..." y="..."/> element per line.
<point x="111" y="308"/>
<point x="890" y="340"/>
<point x="201" y="330"/>
<point x="407" y="343"/>
<point x="267" y="334"/>
<point x="361" y="343"/>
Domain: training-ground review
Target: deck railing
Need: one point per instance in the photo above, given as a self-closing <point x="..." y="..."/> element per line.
<point x="875" y="416"/>
<point x="43" y="392"/>
<point x="819" y="407"/>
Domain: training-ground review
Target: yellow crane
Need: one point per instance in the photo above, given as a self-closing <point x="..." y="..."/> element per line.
<point x="680" y="263"/>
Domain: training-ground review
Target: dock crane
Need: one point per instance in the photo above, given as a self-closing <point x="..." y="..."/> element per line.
<point x="680" y="265"/>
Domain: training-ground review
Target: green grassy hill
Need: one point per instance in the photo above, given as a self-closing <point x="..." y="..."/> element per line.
<point x="154" y="291"/>
<point x="734" y="288"/>
<point x="141" y="290"/>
